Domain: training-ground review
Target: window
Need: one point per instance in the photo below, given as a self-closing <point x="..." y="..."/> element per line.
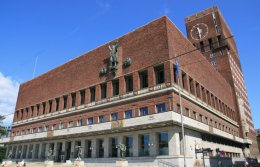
<point x="159" y="74"/>
<point x="70" y="124"/>
<point x="103" y="90"/>
<point x="101" y="119"/>
<point x="115" y="85"/>
<point x="211" y="55"/>
<point x="82" y="97"/>
<point x="194" y="115"/>
<point x="79" y="123"/>
<point x="163" y="143"/>
<point x="178" y="108"/>
<point x="46" y="128"/>
<point x="175" y="73"/>
<point x="211" y="44"/>
<point x="144" y="145"/>
<point x="65" y="98"/>
<point x="129" y="146"/>
<point x="187" y="112"/>
<point x="114" y="143"/>
<point x="100" y="148"/>
<point x="44" y="107"/>
<point x="161" y="108"/>
<point x="22" y="114"/>
<point x="50" y="106"/>
<point x="90" y="121"/>
<point x="34" y="130"/>
<point x="53" y="127"/>
<point x="61" y="125"/>
<point x="114" y="116"/>
<point x="222" y="53"/>
<point x="202" y="49"/>
<point x="143" y="76"/>
<point x="38" y="110"/>
<point x="40" y="129"/>
<point x="219" y="40"/>
<point x="144" y="111"/>
<point x="128" y="114"/>
<point x="92" y="94"/>
<point x="32" y="108"/>
<point x="214" y="62"/>
<point x="57" y="104"/>
<point x="129" y="83"/>
<point x="73" y="99"/>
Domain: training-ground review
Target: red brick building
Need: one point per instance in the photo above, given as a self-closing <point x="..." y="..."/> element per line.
<point x="126" y="92"/>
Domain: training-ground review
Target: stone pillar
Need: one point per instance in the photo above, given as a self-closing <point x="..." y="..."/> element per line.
<point x="109" y="89"/>
<point x="55" y="151"/>
<point x="47" y="149"/>
<point x="87" y="95"/>
<point x="27" y="151"/>
<point x="83" y="147"/>
<point x="40" y="151"/>
<point x="174" y="143"/>
<point x="107" y="147"/>
<point x="120" y="140"/>
<point x="97" y="93"/>
<point x="53" y="107"/>
<point x="34" y="151"/>
<point x="122" y="87"/>
<point x="78" y="99"/>
<point x="135" y="145"/>
<point x="168" y="72"/>
<point x="72" y="149"/>
<point x="7" y="151"/>
<point x="94" y="148"/>
<point x="63" y="149"/>
<point x="69" y="101"/>
<point x="153" y="144"/>
<point x="20" y="155"/>
<point x="61" y="105"/>
<point x="151" y="77"/>
<point x="136" y="82"/>
<point x="16" y="153"/>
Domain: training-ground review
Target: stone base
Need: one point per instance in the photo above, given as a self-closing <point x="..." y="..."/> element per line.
<point x="122" y="163"/>
<point x="48" y="163"/>
<point x="79" y="163"/>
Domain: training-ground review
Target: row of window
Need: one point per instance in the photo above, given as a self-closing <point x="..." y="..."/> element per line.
<point x="193" y="87"/>
<point x="199" y="117"/>
<point x="89" y="121"/>
<point x="48" y="107"/>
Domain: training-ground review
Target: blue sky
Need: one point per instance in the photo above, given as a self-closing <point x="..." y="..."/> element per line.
<point x="57" y="31"/>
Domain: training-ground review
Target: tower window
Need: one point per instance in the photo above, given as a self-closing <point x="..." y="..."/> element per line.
<point x="159" y="74"/>
<point x="50" y="106"/>
<point x="103" y="90"/>
<point x="65" y="98"/>
<point x="44" y="107"/>
<point x="211" y="44"/>
<point x="202" y="49"/>
<point x="143" y="79"/>
<point x="115" y="84"/>
<point x="82" y="97"/>
<point x="73" y="97"/>
<point x="92" y="94"/>
<point x="57" y="104"/>
<point x="129" y="83"/>
<point x="219" y="40"/>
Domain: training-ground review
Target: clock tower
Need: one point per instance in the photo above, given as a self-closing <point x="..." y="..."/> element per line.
<point x="209" y="33"/>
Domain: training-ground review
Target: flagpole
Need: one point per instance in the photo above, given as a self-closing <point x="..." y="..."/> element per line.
<point x="182" y="126"/>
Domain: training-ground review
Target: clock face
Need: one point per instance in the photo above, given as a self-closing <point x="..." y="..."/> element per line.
<point x="199" y="31"/>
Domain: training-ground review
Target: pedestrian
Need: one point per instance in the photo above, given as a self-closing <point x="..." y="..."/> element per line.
<point x="246" y="163"/>
<point x="3" y="164"/>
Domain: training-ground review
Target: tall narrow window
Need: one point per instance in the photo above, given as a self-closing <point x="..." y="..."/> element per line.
<point x="101" y="119"/>
<point x="50" y="106"/>
<point x="92" y="94"/>
<point x="27" y="112"/>
<point x="144" y="145"/>
<point x="219" y="40"/>
<point x="73" y="99"/>
<point x="114" y="143"/>
<point x="44" y="107"/>
<point x="211" y="44"/>
<point x="38" y="109"/>
<point x="23" y="114"/>
<point x="79" y="123"/>
<point x="115" y="84"/>
<point x="57" y="104"/>
<point x="65" y="99"/>
<point x="90" y="121"/>
<point x="163" y="143"/>
<point x="202" y="49"/>
<point x="103" y="90"/>
<point x="32" y="108"/>
<point x="100" y="148"/>
<point x="129" y="83"/>
<point x="159" y="74"/>
<point x="175" y="74"/>
<point x="143" y="76"/>
<point x="129" y="146"/>
<point x="82" y="97"/>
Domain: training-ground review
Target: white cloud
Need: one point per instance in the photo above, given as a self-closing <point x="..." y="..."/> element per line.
<point x="8" y="95"/>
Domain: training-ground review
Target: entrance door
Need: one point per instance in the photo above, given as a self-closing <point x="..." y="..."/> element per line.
<point x="59" y="152"/>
